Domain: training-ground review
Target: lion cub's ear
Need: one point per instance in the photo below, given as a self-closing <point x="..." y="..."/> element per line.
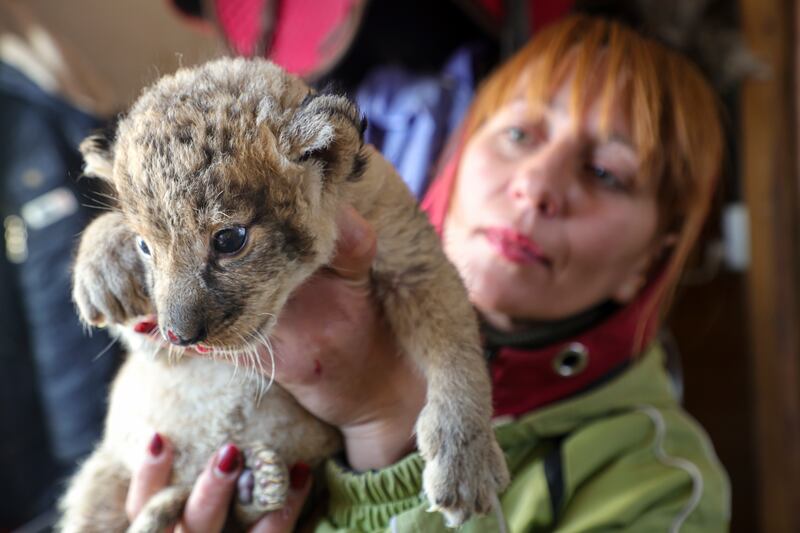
<point x="97" y="157"/>
<point x="329" y="130"/>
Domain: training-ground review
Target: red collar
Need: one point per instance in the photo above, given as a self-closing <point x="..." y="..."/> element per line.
<point x="524" y="380"/>
<point x="527" y="379"/>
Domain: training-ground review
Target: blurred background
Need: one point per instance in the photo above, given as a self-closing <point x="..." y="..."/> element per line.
<point x="68" y="67"/>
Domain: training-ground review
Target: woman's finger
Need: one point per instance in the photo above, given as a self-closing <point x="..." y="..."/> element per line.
<point x="210" y="499"/>
<point x="152" y="475"/>
<point x="284" y="520"/>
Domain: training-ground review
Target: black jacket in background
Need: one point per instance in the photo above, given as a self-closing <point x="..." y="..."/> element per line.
<point x="52" y="384"/>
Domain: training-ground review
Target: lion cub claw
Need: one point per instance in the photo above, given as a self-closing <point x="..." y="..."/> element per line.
<point x="109" y="280"/>
<point x="449" y="453"/>
<point x="263" y="485"/>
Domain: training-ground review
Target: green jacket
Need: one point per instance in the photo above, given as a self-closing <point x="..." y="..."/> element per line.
<point x="623" y="457"/>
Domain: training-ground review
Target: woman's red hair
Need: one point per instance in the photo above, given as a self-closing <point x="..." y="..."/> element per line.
<point x="673" y="112"/>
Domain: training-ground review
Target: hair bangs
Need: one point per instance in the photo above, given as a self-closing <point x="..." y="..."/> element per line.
<point x="673" y="114"/>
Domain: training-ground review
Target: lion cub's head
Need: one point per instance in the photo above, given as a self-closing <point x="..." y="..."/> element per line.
<point x="230" y="175"/>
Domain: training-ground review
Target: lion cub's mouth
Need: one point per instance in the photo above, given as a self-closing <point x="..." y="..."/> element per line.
<point x="249" y="355"/>
<point x="149" y="327"/>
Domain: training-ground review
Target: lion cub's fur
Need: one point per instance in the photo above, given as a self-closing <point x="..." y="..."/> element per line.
<point x="242" y="143"/>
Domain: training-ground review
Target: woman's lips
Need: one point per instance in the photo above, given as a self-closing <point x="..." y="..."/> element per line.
<point x="515" y="246"/>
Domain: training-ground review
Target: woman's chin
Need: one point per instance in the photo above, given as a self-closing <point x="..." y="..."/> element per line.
<point x="518" y="302"/>
<point x="492" y="302"/>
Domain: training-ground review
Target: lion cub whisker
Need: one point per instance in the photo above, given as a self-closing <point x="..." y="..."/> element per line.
<point x="105" y="350"/>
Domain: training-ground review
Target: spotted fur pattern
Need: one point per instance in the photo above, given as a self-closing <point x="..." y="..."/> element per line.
<point x="240" y="143"/>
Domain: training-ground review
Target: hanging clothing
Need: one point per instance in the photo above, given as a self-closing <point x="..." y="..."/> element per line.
<point x="53" y="378"/>
<point x="410" y="116"/>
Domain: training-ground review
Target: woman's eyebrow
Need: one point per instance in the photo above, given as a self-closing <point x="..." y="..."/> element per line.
<point x="618" y="138"/>
<point x="621" y="148"/>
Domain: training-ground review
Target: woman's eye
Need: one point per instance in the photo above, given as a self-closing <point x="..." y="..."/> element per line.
<point x="230" y="240"/>
<point x="143" y="246"/>
<point x="516" y="135"/>
<point x="606" y="178"/>
<point x="529" y="135"/>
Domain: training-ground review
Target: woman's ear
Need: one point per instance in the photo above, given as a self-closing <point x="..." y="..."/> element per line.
<point x="630" y="287"/>
<point x="98" y="157"/>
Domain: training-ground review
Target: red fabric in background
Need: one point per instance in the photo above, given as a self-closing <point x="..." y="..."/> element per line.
<point x="241" y="21"/>
<point x="543" y="12"/>
<point x="309" y="35"/>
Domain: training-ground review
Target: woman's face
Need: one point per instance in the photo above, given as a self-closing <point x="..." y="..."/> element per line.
<point x="548" y="216"/>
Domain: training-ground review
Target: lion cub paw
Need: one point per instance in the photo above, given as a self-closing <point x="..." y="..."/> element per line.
<point x="262" y="485"/>
<point x="108" y="283"/>
<point x="465" y="468"/>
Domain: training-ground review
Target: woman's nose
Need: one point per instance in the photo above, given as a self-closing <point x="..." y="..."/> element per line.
<point x="542" y="198"/>
<point x="542" y="187"/>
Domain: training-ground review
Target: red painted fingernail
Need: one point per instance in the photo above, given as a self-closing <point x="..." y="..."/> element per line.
<point x="199" y="348"/>
<point x="228" y="459"/>
<point x="156" y="445"/>
<point x="172" y="337"/>
<point x="298" y="475"/>
<point x="145" y="327"/>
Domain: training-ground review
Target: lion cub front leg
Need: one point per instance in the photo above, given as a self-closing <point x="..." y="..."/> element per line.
<point x="464" y="466"/>
<point x="161" y="511"/>
<point x="95" y="501"/>
<point x="109" y="283"/>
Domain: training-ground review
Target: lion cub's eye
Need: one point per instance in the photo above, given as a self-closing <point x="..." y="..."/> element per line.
<point x="143" y="246"/>
<point x="230" y="240"/>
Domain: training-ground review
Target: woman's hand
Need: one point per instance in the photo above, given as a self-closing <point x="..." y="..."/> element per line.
<point x="209" y="502"/>
<point x="337" y="355"/>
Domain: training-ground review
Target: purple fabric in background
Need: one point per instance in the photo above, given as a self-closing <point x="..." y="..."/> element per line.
<point x="411" y="116"/>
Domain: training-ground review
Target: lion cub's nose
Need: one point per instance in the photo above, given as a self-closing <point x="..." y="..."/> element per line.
<point x="181" y="340"/>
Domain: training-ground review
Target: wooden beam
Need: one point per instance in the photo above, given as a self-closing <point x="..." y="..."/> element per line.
<point x="770" y="170"/>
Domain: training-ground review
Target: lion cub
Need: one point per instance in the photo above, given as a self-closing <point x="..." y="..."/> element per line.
<point x="228" y="178"/>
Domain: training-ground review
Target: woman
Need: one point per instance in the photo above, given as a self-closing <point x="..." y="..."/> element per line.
<point x="584" y="173"/>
